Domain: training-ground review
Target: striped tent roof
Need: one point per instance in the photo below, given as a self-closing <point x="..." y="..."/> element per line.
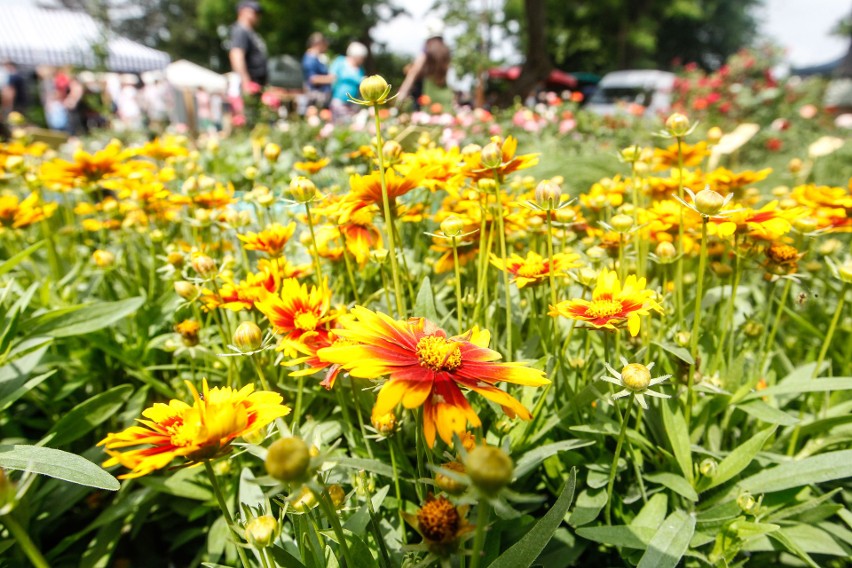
<point x="37" y="36"/>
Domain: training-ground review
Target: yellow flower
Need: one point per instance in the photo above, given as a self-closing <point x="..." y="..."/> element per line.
<point x="535" y="269"/>
<point x="612" y="305"/>
<point x="196" y="432"/>
<point x="271" y="240"/>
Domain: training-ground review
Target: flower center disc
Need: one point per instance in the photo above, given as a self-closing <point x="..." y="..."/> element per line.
<point x="604" y="308"/>
<point x="438" y="353"/>
<point x="531" y="270"/>
<point x="306" y="321"/>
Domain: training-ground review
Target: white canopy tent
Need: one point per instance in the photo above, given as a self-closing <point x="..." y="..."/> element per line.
<point x="184" y="74"/>
<point x="36" y="36"/>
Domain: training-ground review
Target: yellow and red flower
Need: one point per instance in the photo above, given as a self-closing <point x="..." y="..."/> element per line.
<point x="298" y="312"/>
<point x="196" y="432"/>
<point x="271" y="240"/>
<point x="535" y="269"/>
<point x="613" y="305"/>
<point x="426" y="368"/>
<point x="509" y="161"/>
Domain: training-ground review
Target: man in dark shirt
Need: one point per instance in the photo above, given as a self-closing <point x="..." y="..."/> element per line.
<point x="315" y="71"/>
<point x="14" y="92"/>
<point x="248" y="51"/>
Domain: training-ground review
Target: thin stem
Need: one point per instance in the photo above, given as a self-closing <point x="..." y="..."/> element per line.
<point x="223" y="505"/>
<point x="483" y="510"/>
<point x="349" y="271"/>
<point x="696" y="320"/>
<point x="679" y="267"/>
<point x="771" y="338"/>
<point x="24" y="541"/>
<point x="614" y="467"/>
<point x="397" y="286"/>
<point x="331" y="514"/>
<point x="503" y="256"/>
<point x="315" y="249"/>
<point x="458" y="284"/>
<point x="399" y="503"/>
<point x="831" y="329"/>
<point x="552" y="281"/>
<point x="297" y="411"/>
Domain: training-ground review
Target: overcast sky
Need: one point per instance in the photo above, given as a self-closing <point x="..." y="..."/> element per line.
<point x="801" y="26"/>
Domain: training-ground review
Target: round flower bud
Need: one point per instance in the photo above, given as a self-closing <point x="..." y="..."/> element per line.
<point x="449" y="484"/>
<point x="621" y="223"/>
<point x="844" y="272"/>
<point x="753" y="329"/>
<point x="708" y="467"/>
<point x="666" y="252"/>
<point x="103" y="258"/>
<point x="379" y="256"/>
<point x="565" y="215"/>
<point x="491" y="155"/>
<point x="714" y="135"/>
<point x="547" y="194"/>
<point x="631" y="154"/>
<point x="636" y="376"/>
<point x="310" y="152"/>
<point x="305" y="500"/>
<point x="175" y="258"/>
<point x="805" y="224"/>
<point x="185" y="290"/>
<point x="248" y="336"/>
<point x="262" y="531"/>
<point x="795" y="165"/>
<point x="337" y="495"/>
<point x="288" y="459"/>
<point x="384" y="424"/>
<point x="747" y="503"/>
<point x="677" y="125"/>
<point x="392" y="150"/>
<point x="709" y="202"/>
<point x="596" y="253"/>
<point x="489" y="468"/>
<point x="452" y="226"/>
<point x="250" y="173"/>
<point x="471" y="150"/>
<point x="302" y="189"/>
<point x="682" y="338"/>
<point x="204" y="265"/>
<point x="271" y="151"/>
<point x="374" y="89"/>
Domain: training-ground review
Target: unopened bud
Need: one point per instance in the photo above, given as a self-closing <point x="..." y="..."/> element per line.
<point x="288" y="459"/>
<point x="714" y="135"/>
<point x="262" y="531"/>
<point x="103" y="258"/>
<point x="310" y="153"/>
<point x="392" y="150"/>
<point x="636" y="376"/>
<point x="337" y="495"/>
<point x="547" y="194"/>
<point x="747" y="503"/>
<point x="565" y="215"/>
<point x="450" y="484"/>
<point x="491" y="155"/>
<point x="271" y="151"/>
<point x="204" y="265"/>
<point x="248" y="336"/>
<point x="379" y="256"/>
<point x="452" y="226"/>
<point x="384" y="424"/>
<point x="374" y="89"/>
<point x="302" y="189"/>
<point x="666" y="252"/>
<point x="844" y="272"/>
<point x="708" y="467"/>
<point x="795" y="165"/>
<point x="185" y="290"/>
<point x="709" y="202"/>
<point x="677" y="125"/>
<point x="621" y="223"/>
<point x="489" y="468"/>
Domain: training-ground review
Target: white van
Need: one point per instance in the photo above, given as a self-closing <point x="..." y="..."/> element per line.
<point x="649" y="88"/>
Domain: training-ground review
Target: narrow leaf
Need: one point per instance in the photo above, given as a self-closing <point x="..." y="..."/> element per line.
<point x="80" y="320"/>
<point x="87" y="416"/>
<point x="58" y="464"/>
<point x="18" y="258"/>
<point x="670" y="542"/>
<point x="740" y="458"/>
<point x="678" y="434"/>
<point x="814" y="469"/>
<point x="424" y="306"/>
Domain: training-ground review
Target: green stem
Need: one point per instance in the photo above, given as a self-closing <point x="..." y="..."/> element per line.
<point x="552" y="281"/>
<point x="831" y="329"/>
<point x="400" y="507"/>
<point x="696" y="321"/>
<point x="503" y="256"/>
<point x="223" y="505"/>
<point x="397" y="286"/>
<point x="771" y="338"/>
<point x="334" y="520"/>
<point x="315" y="249"/>
<point x="458" y="284"/>
<point x="679" y="267"/>
<point x="349" y="271"/>
<point x="24" y="541"/>
<point x="622" y="434"/>
<point x="483" y="510"/>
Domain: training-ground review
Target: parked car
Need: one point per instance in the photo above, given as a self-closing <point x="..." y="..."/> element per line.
<point x="619" y="90"/>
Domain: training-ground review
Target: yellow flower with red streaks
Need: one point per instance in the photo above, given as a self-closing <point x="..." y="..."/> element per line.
<point x="725" y="181"/>
<point x="298" y="311"/>
<point x="441" y="167"/>
<point x="216" y="197"/>
<point x="162" y="148"/>
<point x="665" y="187"/>
<point x="830" y="206"/>
<point x="426" y="368"/>
<point x="19" y="214"/>
<point x="535" y="269"/>
<point x="85" y="168"/>
<point x="613" y="305"/>
<point x="368" y="188"/>
<point x="769" y="223"/>
<point x="196" y="432"/>
<point x="693" y="155"/>
<point x="312" y="167"/>
<point x="270" y="240"/>
<point x="509" y="163"/>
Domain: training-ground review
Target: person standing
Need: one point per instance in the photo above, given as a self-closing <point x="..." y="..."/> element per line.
<point x="315" y="72"/>
<point x="348" y="73"/>
<point x="248" y="55"/>
<point x="428" y="73"/>
<point x="14" y="91"/>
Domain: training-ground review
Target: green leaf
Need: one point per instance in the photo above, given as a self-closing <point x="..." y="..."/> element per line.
<point x="87" y="416"/>
<point x="769" y="414"/>
<point x="678" y="433"/>
<point x="527" y="549"/>
<point x="781" y="538"/>
<point x="79" y="320"/>
<point x="678" y="352"/>
<point x="18" y="258"/>
<point x="284" y="558"/>
<point x="366" y="464"/>
<point x="424" y="305"/>
<point x="589" y="505"/>
<point x="674" y="482"/>
<point x="814" y="469"/>
<point x="796" y="387"/>
<point x="739" y="459"/>
<point x="670" y="542"/>
<point x="58" y="464"/>
<point x="652" y="513"/>
<point x="619" y="535"/>
<point x="532" y="458"/>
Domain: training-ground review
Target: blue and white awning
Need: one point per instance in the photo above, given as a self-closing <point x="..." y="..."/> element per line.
<point x="37" y="36"/>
